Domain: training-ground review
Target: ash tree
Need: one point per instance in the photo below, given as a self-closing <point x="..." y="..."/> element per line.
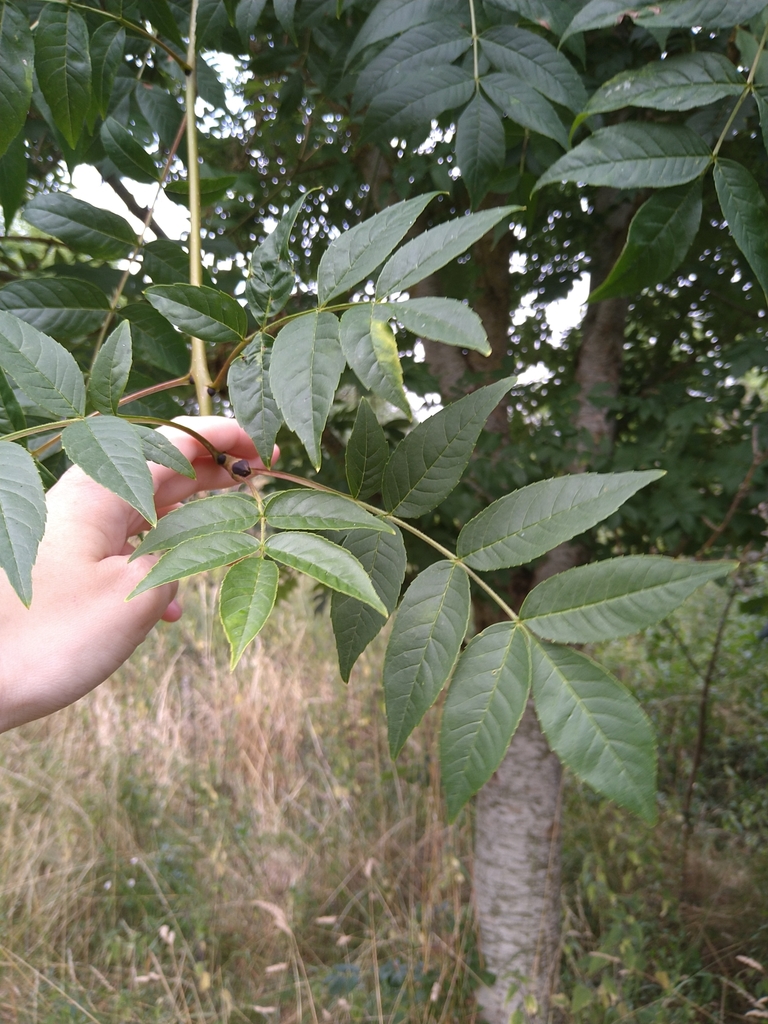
<point x="582" y="137"/>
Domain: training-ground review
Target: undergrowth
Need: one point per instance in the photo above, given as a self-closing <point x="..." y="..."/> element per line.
<point x="189" y="845"/>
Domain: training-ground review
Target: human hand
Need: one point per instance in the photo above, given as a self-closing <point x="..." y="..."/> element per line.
<point x="79" y="627"/>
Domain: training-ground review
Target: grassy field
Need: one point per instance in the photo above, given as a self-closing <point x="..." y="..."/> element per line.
<point x="192" y="845"/>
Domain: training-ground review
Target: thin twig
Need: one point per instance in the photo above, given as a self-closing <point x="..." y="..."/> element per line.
<point x="758" y="458"/>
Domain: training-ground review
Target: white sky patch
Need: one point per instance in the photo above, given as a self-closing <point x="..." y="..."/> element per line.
<point x="87" y="184"/>
<point x="568" y="312"/>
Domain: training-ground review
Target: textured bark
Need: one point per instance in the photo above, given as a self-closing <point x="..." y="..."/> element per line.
<point x="517" y="876"/>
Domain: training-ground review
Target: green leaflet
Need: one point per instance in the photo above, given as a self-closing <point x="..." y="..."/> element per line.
<point x="211" y="189"/>
<point x="107" y="47"/>
<point x="480" y="146"/>
<point x="633" y="155"/>
<point x="128" y="156"/>
<point x="159" y="13"/>
<point x="423" y="647"/>
<point x="84" y="228"/>
<point x="408" y="107"/>
<point x="165" y="262"/>
<point x="154" y="340"/>
<point x="200" y="311"/>
<point x="110" y="370"/>
<point x="676" y="83"/>
<point x="13" y="177"/>
<point x="659" y="236"/>
<point x="391" y="17"/>
<point x="446" y="320"/>
<point x="482" y="709"/>
<point x="17" y="56"/>
<point x="12" y="416"/>
<point x="304" y="372"/>
<point x="271" y="278"/>
<point x="525" y="106"/>
<point x="356" y="253"/>
<point x="614" y="597"/>
<point x="669" y="14"/>
<point x="252" y="399"/>
<point x="744" y="207"/>
<point x="366" y="454"/>
<point x="284" y="11"/>
<point x="197" y="555"/>
<point x="432" y="249"/>
<point x="326" y="562"/>
<point x="370" y="348"/>
<point x="221" y="513"/>
<point x="63" y="67"/>
<point x="247" y="17"/>
<point x="355" y="624"/>
<point x="22" y="517"/>
<point x="62" y="307"/>
<point x="595" y="726"/>
<point x="428" y="463"/>
<point x="163" y="115"/>
<point x="109" y="450"/>
<point x="428" y="45"/>
<point x="527" y="56"/>
<point x="304" y="509"/>
<point x="158" y="449"/>
<point x="527" y="523"/>
<point x="246" y="600"/>
<point x="41" y="368"/>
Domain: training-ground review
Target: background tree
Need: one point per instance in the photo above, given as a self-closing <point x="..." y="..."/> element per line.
<point x="343" y="101"/>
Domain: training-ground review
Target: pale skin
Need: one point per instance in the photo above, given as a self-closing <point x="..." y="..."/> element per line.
<point x="79" y="627"/>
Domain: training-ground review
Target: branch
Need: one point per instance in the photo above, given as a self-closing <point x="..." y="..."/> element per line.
<point x="758" y="457"/>
<point x="138" y="211"/>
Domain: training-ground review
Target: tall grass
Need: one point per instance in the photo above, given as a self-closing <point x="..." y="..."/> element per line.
<point x="189" y="844"/>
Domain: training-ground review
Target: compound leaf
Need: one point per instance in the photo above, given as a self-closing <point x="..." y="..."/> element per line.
<point x="482" y="709"/>
<point x="304" y="373"/>
<point x="22" y="517"/>
<point x="109" y="450"/>
<point x="429" y="462"/>
<point x="595" y="726"/>
<point x="614" y="597"/>
<point x="246" y="600"/>
<point x="326" y="562"/>
<point x="355" y="624"/>
<point x="423" y="647"/>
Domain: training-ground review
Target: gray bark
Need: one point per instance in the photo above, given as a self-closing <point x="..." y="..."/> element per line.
<point x="517" y="877"/>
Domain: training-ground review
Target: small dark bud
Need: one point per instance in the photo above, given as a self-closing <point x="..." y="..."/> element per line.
<point x="221" y="458"/>
<point x="241" y="468"/>
<point x="191" y="379"/>
<point x="211" y="391"/>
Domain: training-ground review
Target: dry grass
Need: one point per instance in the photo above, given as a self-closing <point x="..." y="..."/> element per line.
<point x="188" y="844"/>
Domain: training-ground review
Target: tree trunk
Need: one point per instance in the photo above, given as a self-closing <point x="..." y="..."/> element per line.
<point x="517" y="876"/>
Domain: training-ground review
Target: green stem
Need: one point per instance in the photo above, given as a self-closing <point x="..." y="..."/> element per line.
<point x="473" y="22"/>
<point x="131" y="25"/>
<point x="178" y="382"/>
<point x="41" y="428"/>
<point x="199" y="368"/>
<point x="445" y="552"/>
<point x="743" y="95"/>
